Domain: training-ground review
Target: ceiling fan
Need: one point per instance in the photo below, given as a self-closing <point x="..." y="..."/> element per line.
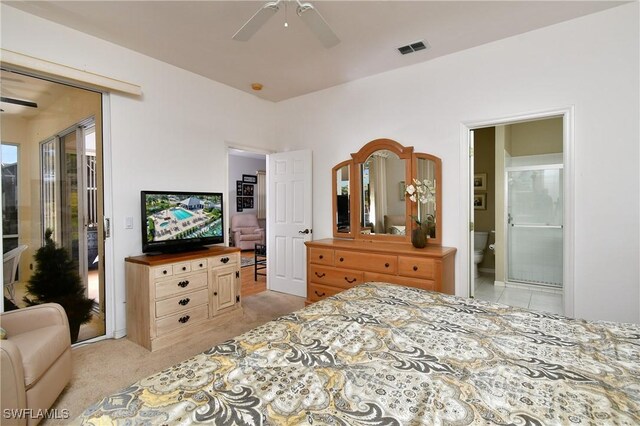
<point x="306" y="11"/>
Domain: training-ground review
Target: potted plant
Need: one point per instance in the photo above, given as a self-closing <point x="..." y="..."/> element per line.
<point x="56" y="280"/>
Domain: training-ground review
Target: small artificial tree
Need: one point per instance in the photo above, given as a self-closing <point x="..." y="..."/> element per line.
<point x="56" y="280"/>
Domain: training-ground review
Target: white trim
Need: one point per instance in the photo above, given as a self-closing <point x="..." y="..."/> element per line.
<point x="567" y="113"/>
<point x="528" y="168"/>
<point x="75" y="76"/>
<point x="107" y="200"/>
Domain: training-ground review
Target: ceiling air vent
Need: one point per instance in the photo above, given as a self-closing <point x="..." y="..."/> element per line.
<point x="413" y="47"/>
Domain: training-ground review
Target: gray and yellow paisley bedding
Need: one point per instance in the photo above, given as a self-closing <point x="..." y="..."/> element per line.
<point x="381" y="354"/>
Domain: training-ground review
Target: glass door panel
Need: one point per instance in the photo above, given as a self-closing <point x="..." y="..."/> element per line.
<point x="534" y="235"/>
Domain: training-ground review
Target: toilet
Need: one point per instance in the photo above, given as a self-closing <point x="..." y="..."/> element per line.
<point x="479" y="244"/>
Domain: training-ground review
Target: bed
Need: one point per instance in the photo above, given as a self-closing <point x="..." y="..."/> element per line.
<point x="382" y="354"/>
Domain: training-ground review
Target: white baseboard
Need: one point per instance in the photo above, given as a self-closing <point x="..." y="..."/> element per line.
<point x="487" y="270"/>
<point x="499" y="284"/>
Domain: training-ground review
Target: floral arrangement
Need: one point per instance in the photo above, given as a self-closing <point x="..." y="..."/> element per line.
<point x="423" y="191"/>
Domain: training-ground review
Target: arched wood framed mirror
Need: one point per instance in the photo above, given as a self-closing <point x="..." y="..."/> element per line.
<point x="369" y="198"/>
<point x="342" y="199"/>
<point x="382" y="168"/>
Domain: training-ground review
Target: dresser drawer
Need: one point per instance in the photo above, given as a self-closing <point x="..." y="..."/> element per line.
<point x="319" y="291"/>
<point x="416" y="267"/>
<point x="180" y="285"/>
<point x="182" y="302"/>
<point x="397" y="279"/>
<point x="321" y="256"/>
<point x="335" y="277"/>
<point x="367" y="261"/>
<point x="181" y="320"/>
<point x="198" y="265"/>
<point x="225" y="259"/>
<point x="163" y="271"/>
<point x="181" y="268"/>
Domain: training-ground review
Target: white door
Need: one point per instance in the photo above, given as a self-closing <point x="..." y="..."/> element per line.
<point x="288" y="220"/>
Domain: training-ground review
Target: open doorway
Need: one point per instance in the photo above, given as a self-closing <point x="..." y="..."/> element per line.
<point x="517" y="248"/>
<point x="247" y="216"/>
<point x="53" y="177"/>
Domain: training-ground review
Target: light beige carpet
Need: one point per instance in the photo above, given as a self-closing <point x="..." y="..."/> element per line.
<point x="102" y="368"/>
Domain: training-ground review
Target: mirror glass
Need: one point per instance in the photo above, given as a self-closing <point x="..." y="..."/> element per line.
<point x="343" y="197"/>
<point x="382" y="200"/>
<point x="427" y="210"/>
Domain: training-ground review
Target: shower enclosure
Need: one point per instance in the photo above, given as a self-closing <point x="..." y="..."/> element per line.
<point x="534" y="225"/>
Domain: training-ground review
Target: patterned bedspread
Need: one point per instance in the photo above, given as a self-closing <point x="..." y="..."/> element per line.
<point x="381" y="354"/>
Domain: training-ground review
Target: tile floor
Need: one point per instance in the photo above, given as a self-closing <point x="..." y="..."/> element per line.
<point x="544" y="301"/>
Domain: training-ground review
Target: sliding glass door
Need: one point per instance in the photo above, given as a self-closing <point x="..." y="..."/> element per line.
<point x="534" y="231"/>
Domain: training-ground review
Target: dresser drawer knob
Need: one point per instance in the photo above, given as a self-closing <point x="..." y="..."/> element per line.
<point x="164" y="272"/>
<point x="224" y="260"/>
<point x="184" y="268"/>
<point x="386" y="265"/>
<point x="201" y="265"/>
<point x="350" y="281"/>
<point x="184" y="319"/>
<point x="321" y="257"/>
<point x="183" y="284"/>
<point x="415" y="268"/>
<point x="320" y="275"/>
<point x="215" y="293"/>
<point x="319" y="294"/>
<point x="184" y="302"/>
<point x="342" y="259"/>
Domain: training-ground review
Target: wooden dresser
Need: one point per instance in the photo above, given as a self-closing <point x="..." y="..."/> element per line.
<point x="172" y="296"/>
<point x="334" y="265"/>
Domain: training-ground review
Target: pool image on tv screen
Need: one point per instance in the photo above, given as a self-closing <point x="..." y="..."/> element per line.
<point x="182" y="217"/>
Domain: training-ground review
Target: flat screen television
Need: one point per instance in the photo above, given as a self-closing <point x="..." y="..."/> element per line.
<point x="175" y="221"/>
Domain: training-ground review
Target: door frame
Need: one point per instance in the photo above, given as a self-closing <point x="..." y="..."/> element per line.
<point x="466" y="191"/>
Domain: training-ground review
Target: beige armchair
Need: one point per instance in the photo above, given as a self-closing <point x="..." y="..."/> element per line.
<point x="35" y="359"/>
<point x="246" y="231"/>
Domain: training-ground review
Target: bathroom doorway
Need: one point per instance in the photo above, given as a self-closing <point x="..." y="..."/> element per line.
<point x="517" y="213"/>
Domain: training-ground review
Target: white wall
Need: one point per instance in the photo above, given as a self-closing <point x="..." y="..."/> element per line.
<point x="590" y="63"/>
<point x="171" y="138"/>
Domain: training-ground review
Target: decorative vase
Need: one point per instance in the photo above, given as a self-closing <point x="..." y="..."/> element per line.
<point x="419" y="238"/>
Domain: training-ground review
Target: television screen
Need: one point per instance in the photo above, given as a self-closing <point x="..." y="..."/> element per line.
<point x="176" y="221"/>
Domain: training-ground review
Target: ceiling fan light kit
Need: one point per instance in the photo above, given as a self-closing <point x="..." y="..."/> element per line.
<point x="307" y="13"/>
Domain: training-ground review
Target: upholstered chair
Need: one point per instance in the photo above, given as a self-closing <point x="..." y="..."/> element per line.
<point x="246" y="231"/>
<point x="35" y="359"/>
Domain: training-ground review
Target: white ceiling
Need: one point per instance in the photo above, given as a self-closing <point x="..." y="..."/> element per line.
<point x="196" y="35"/>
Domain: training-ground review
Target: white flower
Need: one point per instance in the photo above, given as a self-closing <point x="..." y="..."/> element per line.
<point x="422" y="190"/>
<point x="411" y="190"/>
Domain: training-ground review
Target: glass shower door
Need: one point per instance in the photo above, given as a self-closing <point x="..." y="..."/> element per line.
<point x="534" y="234"/>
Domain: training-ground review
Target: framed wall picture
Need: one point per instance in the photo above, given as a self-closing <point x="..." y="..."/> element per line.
<point x="480" y="201"/>
<point x="239" y="188"/>
<point x="239" y="204"/>
<point x="250" y="179"/>
<point x="247" y="190"/>
<point x="480" y="182"/>
<point x="247" y="202"/>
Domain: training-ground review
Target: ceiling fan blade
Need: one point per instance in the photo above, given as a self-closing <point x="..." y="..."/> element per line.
<point x="317" y="24"/>
<point x="256" y="21"/>
<point x="19" y="102"/>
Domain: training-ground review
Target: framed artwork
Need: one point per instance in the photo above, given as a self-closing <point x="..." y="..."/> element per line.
<point x="480" y="182"/>
<point x="239" y="204"/>
<point x="250" y="179"/>
<point x="247" y="202"/>
<point x="247" y="190"/>
<point x="238" y="188"/>
<point x="480" y="201"/>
